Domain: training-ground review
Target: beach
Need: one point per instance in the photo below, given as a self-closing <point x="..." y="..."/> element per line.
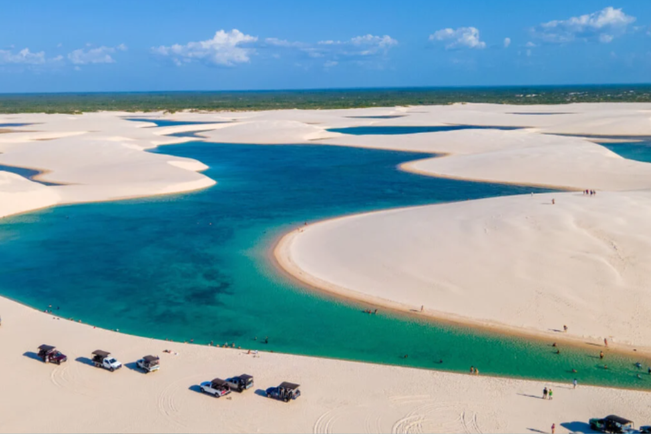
<point x="528" y="265"/>
<point x="337" y="396"/>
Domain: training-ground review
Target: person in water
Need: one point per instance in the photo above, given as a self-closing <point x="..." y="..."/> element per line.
<point x="601" y="355"/>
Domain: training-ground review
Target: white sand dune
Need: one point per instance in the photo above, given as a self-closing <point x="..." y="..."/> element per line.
<point x="514" y="261"/>
<point x="338" y="396"/>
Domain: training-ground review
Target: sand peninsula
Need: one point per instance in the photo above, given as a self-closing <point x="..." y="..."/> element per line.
<point x="517" y="262"/>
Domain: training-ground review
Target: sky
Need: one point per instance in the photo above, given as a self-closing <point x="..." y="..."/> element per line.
<point x="70" y="46"/>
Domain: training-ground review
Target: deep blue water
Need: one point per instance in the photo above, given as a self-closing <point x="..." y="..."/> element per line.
<point x="639" y="151"/>
<point x="384" y="130"/>
<point x="12" y="125"/>
<point x="196" y="266"/>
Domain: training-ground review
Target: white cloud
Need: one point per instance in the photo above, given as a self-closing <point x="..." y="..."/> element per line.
<point x="24" y="56"/>
<point x="85" y="56"/>
<point x="463" y="37"/>
<point x="603" y="25"/>
<point x="331" y="63"/>
<point x="507" y="42"/>
<point x="224" y="49"/>
<point x="530" y="44"/>
<point x="366" y="45"/>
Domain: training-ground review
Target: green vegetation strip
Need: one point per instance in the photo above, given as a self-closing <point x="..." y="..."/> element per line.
<point x="316" y="99"/>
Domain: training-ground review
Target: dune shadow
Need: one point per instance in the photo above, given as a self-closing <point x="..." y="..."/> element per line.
<point x="85" y="361"/>
<point x="577" y="426"/>
<point x="261" y="392"/>
<point x="32" y="355"/>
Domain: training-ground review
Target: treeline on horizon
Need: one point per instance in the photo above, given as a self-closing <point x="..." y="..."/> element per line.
<point x="315" y="99"/>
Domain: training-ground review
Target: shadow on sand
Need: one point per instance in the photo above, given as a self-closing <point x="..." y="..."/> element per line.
<point x="32" y="355"/>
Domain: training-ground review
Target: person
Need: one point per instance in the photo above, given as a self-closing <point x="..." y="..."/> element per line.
<point x="638" y="365"/>
<point x="649" y="370"/>
<point x="558" y="351"/>
<point x="472" y="369"/>
<point x="476" y="371"/>
<point x="545" y="392"/>
<point x="565" y="328"/>
<point x="554" y="345"/>
<point x="553" y="201"/>
<point x="601" y="355"/>
<point x="553" y="428"/>
<point x="574" y="383"/>
<point x="605" y="341"/>
<point x="266" y="340"/>
<point x="422" y="307"/>
<point x="551" y="392"/>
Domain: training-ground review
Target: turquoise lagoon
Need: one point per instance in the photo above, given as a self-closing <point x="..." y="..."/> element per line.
<point x="197" y="265"/>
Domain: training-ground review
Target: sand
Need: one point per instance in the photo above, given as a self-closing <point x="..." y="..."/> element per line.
<point x="517" y="263"/>
<point x="337" y="396"/>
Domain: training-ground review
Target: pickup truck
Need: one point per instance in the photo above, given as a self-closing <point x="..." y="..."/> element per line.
<point x="50" y="354"/>
<point x="149" y="363"/>
<point x="103" y="359"/>
<point x="240" y="383"/>
<point x="216" y="388"/>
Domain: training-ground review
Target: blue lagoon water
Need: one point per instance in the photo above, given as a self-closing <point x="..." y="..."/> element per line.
<point x="638" y="151"/>
<point x="384" y="130"/>
<point x="197" y="266"/>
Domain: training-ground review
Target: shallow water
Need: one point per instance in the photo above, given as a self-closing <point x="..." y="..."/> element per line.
<point x="26" y="173"/>
<point x="383" y="130"/>
<point x="196" y="266"/>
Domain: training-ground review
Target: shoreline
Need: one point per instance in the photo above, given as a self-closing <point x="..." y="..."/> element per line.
<point x="282" y="260"/>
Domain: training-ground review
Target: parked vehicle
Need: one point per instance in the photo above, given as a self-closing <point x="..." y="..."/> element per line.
<point x="50" y="354"/>
<point x="240" y="383"/>
<point x="646" y="429"/>
<point x="216" y="387"/>
<point x="285" y="392"/>
<point x="612" y="424"/>
<point x="149" y="363"/>
<point x="103" y="359"/>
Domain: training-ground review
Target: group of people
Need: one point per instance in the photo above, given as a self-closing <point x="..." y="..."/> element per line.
<point x="589" y="192"/>
<point x="548" y="393"/>
<point x="474" y="371"/>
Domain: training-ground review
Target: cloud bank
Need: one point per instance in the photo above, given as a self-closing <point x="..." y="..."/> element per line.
<point x="224" y="49"/>
<point x="602" y="26"/>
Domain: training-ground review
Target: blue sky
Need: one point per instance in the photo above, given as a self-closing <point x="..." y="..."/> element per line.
<point x="209" y="45"/>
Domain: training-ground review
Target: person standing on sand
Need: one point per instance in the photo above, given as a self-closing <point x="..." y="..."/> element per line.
<point x="553" y="428"/>
<point x="574" y="383"/>
<point x="551" y="392"/>
<point x="605" y="341"/>
<point x="553" y="201"/>
<point x="545" y="393"/>
<point x="422" y="307"/>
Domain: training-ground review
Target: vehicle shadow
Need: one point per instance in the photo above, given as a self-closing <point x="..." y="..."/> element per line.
<point x="133" y="366"/>
<point x="195" y="388"/>
<point x="85" y="361"/>
<point x="261" y="392"/>
<point x="578" y="427"/>
<point x="32" y="355"/>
